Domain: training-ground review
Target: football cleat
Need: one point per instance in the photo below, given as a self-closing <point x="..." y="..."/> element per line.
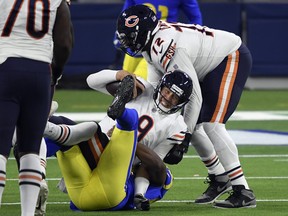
<point x="61" y="186"/>
<point x="218" y="185"/>
<point x="42" y="199"/>
<point x="53" y="109"/>
<point x="123" y="95"/>
<point x="239" y="198"/>
<point x="141" y="203"/>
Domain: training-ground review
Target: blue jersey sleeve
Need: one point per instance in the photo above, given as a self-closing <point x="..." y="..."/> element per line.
<point x="128" y="3"/>
<point x="192" y="11"/>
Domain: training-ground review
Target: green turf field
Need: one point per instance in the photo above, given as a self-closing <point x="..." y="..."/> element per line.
<point x="264" y="166"/>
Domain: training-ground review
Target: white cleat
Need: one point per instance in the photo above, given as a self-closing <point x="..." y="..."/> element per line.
<point x="53" y="109"/>
<point x="61" y="186"/>
<point x="42" y="199"/>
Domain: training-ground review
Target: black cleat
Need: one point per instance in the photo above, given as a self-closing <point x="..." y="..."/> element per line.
<point x="123" y="95"/>
<point x="239" y="198"/>
<point x="218" y="185"/>
<point x="141" y="203"/>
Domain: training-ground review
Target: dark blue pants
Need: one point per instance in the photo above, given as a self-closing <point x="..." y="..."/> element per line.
<point x="25" y="91"/>
<point x="222" y="87"/>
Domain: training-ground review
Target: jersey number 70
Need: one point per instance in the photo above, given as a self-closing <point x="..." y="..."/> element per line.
<point x="31" y="16"/>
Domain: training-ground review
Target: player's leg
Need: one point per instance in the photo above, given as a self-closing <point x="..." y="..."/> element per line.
<point x="157" y="193"/>
<point x="116" y="161"/>
<point x="30" y="126"/>
<point x="69" y="135"/>
<point x="218" y="107"/>
<point x="218" y="182"/>
<point x="142" y="69"/>
<point x="130" y="63"/>
<point x="8" y="118"/>
<point x="43" y="193"/>
<point x="150" y="172"/>
<point x="117" y="158"/>
<point x="205" y="149"/>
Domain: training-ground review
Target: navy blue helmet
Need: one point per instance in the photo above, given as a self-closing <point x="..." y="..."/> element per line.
<point x="180" y="84"/>
<point x="134" y="28"/>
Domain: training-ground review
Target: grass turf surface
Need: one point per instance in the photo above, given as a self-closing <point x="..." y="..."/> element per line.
<point x="264" y="166"/>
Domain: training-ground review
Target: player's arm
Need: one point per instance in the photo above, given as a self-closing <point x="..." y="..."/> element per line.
<point x="192" y="11"/>
<point x="151" y="167"/>
<point x="63" y="38"/>
<point x="182" y="61"/>
<point x="107" y="81"/>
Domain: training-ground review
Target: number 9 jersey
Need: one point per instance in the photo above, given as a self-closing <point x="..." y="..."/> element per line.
<point x="157" y="131"/>
<point x="20" y="19"/>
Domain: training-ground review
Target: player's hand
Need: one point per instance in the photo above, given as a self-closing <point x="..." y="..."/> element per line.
<point x="175" y="155"/>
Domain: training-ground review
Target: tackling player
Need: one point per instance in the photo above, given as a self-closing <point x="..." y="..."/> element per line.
<point x="218" y="64"/>
<point x="97" y="172"/>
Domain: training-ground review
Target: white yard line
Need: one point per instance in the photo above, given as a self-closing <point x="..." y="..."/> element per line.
<point x="237" y="116"/>
<point x="160" y="201"/>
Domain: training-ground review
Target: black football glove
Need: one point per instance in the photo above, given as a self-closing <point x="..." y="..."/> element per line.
<point x="175" y="155"/>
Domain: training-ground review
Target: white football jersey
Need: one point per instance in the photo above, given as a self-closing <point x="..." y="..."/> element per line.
<point x="194" y="49"/>
<point x="157" y="131"/>
<point x="205" y="47"/>
<point x="24" y="33"/>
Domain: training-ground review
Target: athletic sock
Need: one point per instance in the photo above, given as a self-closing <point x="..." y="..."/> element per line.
<point x="3" y="162"/>
<point x="141" y="185"/>
<point x="213" y="165"/>
<point x="29" y="182"/>
<point x="42" y="155"/>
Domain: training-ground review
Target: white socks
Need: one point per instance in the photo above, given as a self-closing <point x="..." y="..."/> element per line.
<point x="29" y="183"/>
<point x="70" y="134"/>
<point x="141" y="185"/>
<point x="3" y="162"/>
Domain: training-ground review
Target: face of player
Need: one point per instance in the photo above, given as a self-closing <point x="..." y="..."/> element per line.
<point x="168" y="99"/>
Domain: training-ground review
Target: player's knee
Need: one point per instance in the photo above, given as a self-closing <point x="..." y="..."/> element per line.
<point x="211" y="127"/>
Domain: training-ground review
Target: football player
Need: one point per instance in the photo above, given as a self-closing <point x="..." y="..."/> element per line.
<point x="164" y="10"/>
<point x="32" y="48"/>
<point x="97" y="172"/>
<point x="219" y="64"/>
<point x="161" y="127"/>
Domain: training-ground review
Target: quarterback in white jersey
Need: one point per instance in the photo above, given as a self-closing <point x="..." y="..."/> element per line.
<point x="158" y="131"/>
<point x="219" y="64"/>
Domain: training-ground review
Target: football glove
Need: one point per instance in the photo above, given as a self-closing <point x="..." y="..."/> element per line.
<point x="175" y="155"/>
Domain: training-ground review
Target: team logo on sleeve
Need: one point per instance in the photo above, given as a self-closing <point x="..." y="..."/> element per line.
<point x="131" y="21"/>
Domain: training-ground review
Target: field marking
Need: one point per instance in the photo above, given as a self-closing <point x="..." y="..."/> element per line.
<point x="196" y="156"/>
<point x="160" y="201"/>
<point x="248" y="156"/>
<point x="236" y="116"/>
<point x="183" y="178"/>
